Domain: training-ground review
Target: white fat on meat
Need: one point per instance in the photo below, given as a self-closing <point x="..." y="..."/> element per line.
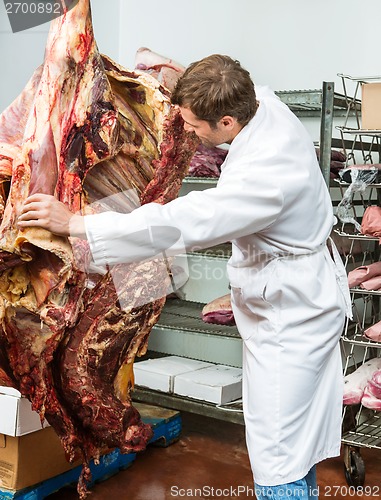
<point x="219" y="311"/>
<point x="370" y="401"/>
<point x="355" y="383"/>
<point x="165" y="70"/>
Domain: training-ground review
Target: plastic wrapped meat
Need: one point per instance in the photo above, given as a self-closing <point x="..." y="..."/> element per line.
<point x="365" y="173"/>
<point x="359" y="179"/>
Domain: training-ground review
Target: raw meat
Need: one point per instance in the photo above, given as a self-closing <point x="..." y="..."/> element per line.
<point x="165" y="70"/>
<point x="219" y="311"/>
<point x="371" y="221"/>
<point x="370" y="401"/>
<point x="336" y="155"/>
<point x="355" y="382"/>
<point x="374" y="384"/>
<point x="337" y="163"/>
<point x="363" y="274"/>
<point x="372" y="284"/>
<point x="206" y="162"/>
<point x="83" y="129"/>
<point x="374" y="332"/>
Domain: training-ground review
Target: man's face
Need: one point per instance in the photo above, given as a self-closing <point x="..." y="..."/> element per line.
<point x="210" y="137"/>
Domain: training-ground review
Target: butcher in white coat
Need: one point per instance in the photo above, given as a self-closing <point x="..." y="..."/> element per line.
<point x="289" y="296"/>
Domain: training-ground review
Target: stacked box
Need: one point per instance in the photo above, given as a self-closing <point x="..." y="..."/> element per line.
<point x="191" y="378"/>
<point x="159" y="374"/>
<point x="217" y="384"/>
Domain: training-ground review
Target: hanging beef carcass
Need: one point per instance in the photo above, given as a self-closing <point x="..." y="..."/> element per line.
<point x="164" y="69"/>
<point x="84" y="129"/>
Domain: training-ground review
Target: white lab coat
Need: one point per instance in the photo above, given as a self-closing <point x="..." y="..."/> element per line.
<point x="272" y="203"/>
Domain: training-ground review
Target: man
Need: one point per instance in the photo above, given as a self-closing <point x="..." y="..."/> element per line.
<point x="272" y="203"/>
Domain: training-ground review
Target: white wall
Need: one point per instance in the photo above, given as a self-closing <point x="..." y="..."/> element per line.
<point x="21" y="53"/>
<point x="287" y="44"/>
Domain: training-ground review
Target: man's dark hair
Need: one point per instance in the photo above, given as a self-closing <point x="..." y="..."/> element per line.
<point x="214" y="87"/>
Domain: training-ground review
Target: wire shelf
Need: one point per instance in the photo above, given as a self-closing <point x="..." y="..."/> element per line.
<point x="186" y="316"/>
<point x="355" y="236"/>
<point x="360" y="340"/>
<point x="367" y="433"/>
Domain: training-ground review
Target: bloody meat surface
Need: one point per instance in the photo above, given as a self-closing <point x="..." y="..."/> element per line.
<point x="83" y="129"/>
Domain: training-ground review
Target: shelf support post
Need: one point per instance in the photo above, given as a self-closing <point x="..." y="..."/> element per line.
<point x="326" y="124"/>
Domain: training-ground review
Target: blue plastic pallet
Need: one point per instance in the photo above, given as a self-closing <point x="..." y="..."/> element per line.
<point x="166" y="426"/>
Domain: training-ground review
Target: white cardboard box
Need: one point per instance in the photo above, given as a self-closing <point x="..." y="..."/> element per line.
<point x="16" y="415"/>
<point x="217" y="384"/>
<point x="159" y="373"/>
<point x="10" y="391"/>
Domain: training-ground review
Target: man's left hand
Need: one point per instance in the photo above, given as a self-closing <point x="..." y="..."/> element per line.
<point x="45" y="211"/>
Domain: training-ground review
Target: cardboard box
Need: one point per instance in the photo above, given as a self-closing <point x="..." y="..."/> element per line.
<point x="218" y="384"/>
<point x="371" y="106"/>
<point x="159" y="373"/>
<point x="16" y="416"/>
<point x="28" y="460"/>
<point x="10" y="391"/>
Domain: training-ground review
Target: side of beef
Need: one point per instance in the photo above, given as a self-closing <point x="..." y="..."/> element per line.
<point x="88" y="129"/>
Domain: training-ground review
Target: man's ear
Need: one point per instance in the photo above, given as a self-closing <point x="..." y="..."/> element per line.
<point x="228" y="121"/>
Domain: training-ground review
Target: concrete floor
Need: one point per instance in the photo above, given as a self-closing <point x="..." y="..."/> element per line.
<point x="212" y="454"/>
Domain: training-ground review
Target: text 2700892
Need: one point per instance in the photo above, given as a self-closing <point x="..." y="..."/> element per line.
<point x="34" y="7"/>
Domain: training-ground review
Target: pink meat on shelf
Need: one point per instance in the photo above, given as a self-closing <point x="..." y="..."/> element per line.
<point x="355" y="382"/>
<point x="83" y="129"/>
<point x="374" y="384"/>
<point x="363" y="274"/>
<point x="370" y="401"/>
<point x="374" y="332"/>
<point x="219" y="311"/>
<point x="371" y="221"/>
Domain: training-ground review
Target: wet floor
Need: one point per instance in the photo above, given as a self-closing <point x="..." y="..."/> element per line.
<point x="210" y="461"/>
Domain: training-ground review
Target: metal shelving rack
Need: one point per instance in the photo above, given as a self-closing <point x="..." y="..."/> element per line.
<point x="353" y="136"/>
<point x="361" y="426"/>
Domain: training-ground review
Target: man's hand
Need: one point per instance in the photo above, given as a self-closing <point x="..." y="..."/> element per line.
<point x="45" y="211"/>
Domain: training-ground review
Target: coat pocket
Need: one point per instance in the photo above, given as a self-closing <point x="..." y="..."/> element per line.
<point x="254" y="308"/>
